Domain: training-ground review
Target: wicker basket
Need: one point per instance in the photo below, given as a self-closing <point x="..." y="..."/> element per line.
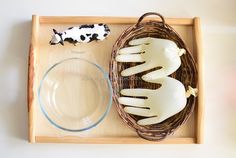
<point x="187" y="74"/>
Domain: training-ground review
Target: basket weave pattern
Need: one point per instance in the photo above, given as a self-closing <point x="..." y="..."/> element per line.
<point x="187" y="74"/>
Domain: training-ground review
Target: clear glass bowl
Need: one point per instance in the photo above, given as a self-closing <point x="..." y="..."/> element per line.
<point x="75" y="94"/>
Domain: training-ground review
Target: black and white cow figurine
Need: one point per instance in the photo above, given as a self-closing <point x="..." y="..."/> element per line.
<point x="81" y="34"/>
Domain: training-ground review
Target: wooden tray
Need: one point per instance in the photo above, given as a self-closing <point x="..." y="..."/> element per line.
<point x="112" y="129"/>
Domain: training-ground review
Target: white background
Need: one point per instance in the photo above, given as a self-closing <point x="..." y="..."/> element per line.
<point x="219" y="41"/>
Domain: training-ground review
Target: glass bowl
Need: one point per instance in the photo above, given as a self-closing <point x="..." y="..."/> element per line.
<point x="75" y="94"/>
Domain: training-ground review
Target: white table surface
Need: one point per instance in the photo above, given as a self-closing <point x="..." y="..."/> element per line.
<point x="219" y="39"/>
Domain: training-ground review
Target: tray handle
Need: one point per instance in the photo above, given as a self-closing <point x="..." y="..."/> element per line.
<point x="148" y="14"/>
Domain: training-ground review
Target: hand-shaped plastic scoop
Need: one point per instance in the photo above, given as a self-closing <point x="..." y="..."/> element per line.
<point x="154" y="52"/>
<point x="160" y="104"/>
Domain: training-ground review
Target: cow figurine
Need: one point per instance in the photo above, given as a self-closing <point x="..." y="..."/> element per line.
<point x="81" y="34"/>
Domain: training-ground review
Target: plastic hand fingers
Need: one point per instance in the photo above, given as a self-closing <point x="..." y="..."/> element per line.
<point x="154" y="75"/>
<point x="139" y="41"/>
<point x="150" y="121"/>
<point x="138" y="111"/>
<point x="129" y="58"/>
<point x="132" y="101"/>
<point x="138" y="92"/>
<point x="137" y="69"/>
<point x="131" y="50"/>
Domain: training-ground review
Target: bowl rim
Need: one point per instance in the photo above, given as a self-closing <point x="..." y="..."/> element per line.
<point x="106" y="77"/>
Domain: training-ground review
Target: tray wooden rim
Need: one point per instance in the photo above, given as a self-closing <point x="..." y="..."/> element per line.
<point x="38" y="20"/>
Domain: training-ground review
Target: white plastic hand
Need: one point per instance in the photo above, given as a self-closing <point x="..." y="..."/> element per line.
<point x="154" y="52"/>
<point x="160" y="104"/>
